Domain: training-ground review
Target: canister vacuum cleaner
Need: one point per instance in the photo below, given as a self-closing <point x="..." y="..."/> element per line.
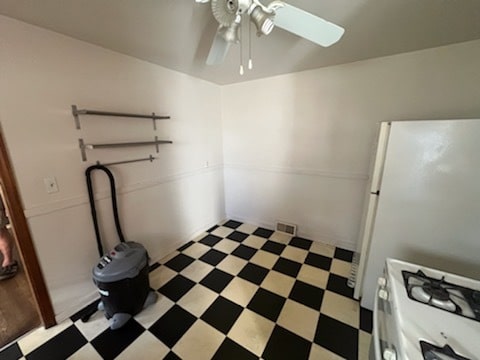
<point x="120" y="275"/>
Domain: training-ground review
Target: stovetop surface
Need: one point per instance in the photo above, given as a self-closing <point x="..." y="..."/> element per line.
<point x="417" y="321"/>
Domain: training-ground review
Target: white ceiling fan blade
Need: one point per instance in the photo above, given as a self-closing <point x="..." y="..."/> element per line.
<point x="218" y="51"/>
<point x="308" y="26"/>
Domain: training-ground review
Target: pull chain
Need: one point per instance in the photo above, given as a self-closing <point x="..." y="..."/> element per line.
<point x="240" y="36"/>
<point x="250" y="62"/>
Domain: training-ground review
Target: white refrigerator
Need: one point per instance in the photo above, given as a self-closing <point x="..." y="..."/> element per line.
<point x="423" y="201"/>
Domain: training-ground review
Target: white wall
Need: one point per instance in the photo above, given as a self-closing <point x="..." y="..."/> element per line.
<point x="162" y="204"/>
<point x="297" y="147"/>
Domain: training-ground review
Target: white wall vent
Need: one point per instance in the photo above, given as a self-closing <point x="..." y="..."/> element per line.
<point x="286" y="228"/>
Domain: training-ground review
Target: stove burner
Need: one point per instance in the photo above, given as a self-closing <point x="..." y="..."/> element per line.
<point x="443" y="295"/>
<point x="436" y="291"/>
<point x="432" y="352"/>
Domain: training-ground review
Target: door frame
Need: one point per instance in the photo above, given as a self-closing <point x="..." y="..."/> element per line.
<point x="23" y="238"/>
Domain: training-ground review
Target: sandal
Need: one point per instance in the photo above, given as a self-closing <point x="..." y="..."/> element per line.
<point x="8" y="271"/>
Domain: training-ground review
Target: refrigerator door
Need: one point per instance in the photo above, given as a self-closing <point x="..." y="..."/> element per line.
<point x="428" y="210"/>
<point x="371" y="205"/>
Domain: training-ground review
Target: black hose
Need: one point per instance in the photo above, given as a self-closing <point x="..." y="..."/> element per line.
<point x="91" y="198"/>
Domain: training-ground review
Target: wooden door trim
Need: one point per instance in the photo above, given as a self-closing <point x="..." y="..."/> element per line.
<point x="23" y="238"/>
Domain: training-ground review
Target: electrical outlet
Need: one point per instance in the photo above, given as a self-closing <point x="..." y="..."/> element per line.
<point x="50" y="185"/>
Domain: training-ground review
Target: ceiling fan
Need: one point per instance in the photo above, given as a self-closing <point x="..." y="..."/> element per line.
<point x="229" y="15"/>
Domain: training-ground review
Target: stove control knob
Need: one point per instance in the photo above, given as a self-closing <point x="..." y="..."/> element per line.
<point x="389" y="354"/>
<point x="382" y="281"/>
<point x="383" y="294"/>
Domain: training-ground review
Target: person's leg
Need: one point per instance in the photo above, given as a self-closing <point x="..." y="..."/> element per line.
<point x="6" y="247"/>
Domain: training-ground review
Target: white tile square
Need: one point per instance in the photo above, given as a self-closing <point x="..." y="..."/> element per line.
<point x="160" y="276"/>
<point x="232" y="265"/>
<point x="322" y="249"/>
<point x="341" y="308"/>
<point x="145" y="347"/>
<point x="200" y="236"/>
<point x="364" y="340"/>
<point x="247" y="228"/>
<point x="226" y="246"/>
<point x="239" y="291"/>
<point x="254" y="241"/>
<point x="94" y="326"/>
<point x="86" y="352"/>
<point x="200" y="342"/>
<point x="197" y="270"/>
<point x="313" y="276"/>
<point x="320" y="353"/>
<point x="37" y="337"/>
<point x="155" y="311"/>
<point x="278" y="283"/>
<point x="295" y="254"/>
<point x="264" y="259"/>
<point x="281" y="238"/>
<point x="197" y="300"/>
<point x="252" y="331"/>
<point x="299" y="319"/>
<point x="340" y="267"/>
<point x="222" y="231"/>
<point x="196" y="250"/>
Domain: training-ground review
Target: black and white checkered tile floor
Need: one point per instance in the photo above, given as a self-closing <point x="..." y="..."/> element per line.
<point x="236" y="292"/>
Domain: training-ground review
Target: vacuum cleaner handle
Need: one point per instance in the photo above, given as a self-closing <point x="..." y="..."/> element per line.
<point x="92" y="204"/>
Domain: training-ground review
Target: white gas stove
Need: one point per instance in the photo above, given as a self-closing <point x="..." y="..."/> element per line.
<point x="422" y="313"/>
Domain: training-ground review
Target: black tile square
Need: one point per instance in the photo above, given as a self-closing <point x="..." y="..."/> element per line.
<point x="366" y="322"/>
<point x="253" y="273"/>
<point x="273" y="247"/>
<point x="179" y="262"/>
<point x="262" y="232"/>
<point x="154" y="266"/>
<point x="319" y="261"/>
<point x="172" y="325"/>
<point x="301" y="243"/>
<point x="232" y="224"/>
<point x="110" y="343"/>
<point x="339" y="285"/>
<point x="222" y="314"/>
<point x="237" y="236"/>
<point x="177" y="287"/>
<point x="244" y="252"/>
<point x="172" y="356"/>
<point x="12" y="352"/>
<point x="287" y="267"/>
<point x="213" y="257"/>
<point x="213" y="228"/>
<point x="267" y="304"/>
<point x="185" y="246"/>
<point x="284" y="344"/>
<point x="307" y="294"/>
<point x="231" y="350"/>
<point x="61" y="346"/>
<point x="342" y="254"/>
<point x="210" y="240"/>
<point x="337" y="337"/>
<point x="216" y="280"/>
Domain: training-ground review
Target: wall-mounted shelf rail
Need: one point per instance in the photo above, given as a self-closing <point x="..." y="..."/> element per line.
<point x="84" y="147"/>
<point x="150" y="158"/>
<point x="76" y="112"/>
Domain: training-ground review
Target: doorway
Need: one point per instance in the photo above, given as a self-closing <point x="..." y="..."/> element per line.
<point x="24" y="300"/>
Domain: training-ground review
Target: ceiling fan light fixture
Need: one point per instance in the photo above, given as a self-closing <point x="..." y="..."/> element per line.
<point x="262" y="20"/>
<point x="230" y="33"/>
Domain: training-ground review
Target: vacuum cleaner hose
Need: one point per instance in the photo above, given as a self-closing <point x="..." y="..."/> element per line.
<point x="92" y="204"/>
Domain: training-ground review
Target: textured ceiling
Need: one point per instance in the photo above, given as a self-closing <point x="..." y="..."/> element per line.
<point x="177" y="34"/>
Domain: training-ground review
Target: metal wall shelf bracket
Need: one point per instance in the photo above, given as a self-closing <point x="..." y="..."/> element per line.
<point x="150" y="158"/>
<point x="76" y="112"/>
